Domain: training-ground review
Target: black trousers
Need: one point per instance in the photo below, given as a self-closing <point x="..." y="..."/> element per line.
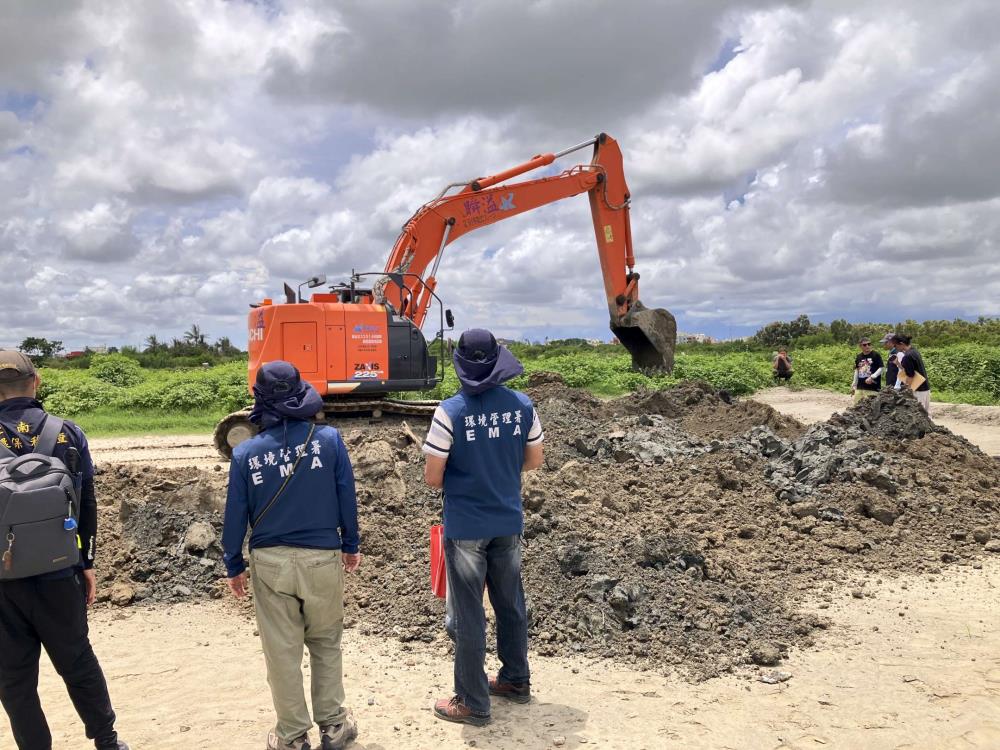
<point x="52" y="614"/>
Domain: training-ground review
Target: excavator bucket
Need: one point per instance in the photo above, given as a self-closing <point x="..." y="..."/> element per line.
<point x="650" y="336"/>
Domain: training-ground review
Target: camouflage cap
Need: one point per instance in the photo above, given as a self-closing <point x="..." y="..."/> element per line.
<point x="15" y="365"/>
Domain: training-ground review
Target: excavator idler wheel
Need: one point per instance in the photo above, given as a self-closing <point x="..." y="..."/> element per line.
<point x="650" y="336"/>
<point x="233" y="430"/>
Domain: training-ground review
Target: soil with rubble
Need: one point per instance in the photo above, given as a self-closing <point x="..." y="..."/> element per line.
<point x="677" y="529"/>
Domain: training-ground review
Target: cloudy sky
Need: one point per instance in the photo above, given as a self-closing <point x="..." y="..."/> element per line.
<point x="165" y="163"/>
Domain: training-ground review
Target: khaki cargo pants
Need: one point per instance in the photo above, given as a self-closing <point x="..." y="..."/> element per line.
<point x="299" y="598"/>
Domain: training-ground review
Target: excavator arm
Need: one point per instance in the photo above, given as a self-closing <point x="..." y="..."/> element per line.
<point x="412" y="266"/>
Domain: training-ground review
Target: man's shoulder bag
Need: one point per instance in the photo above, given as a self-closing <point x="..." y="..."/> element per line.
<point x="39" y="509"/>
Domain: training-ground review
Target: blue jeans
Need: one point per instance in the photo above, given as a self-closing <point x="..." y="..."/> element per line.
<point x="496" y="565"/>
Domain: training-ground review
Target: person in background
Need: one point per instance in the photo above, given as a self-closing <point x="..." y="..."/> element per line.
<point x="891" y="363"/>
<point x="293" y="484"/>
<point x="782" y="365"/>
<point x="867" y="371"/>
<point x="50" y="610"/>
<point x="912" y="363"/>
<point x="479" y="443"/>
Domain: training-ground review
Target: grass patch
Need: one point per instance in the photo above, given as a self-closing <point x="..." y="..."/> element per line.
<point x="115" y="397"/>
<point x="109" y="422"/>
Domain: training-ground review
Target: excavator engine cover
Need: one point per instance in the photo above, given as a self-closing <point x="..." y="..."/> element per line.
<point x="650" y="336"/>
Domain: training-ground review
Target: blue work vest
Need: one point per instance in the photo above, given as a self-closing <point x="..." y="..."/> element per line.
<point x="482" y="479"/>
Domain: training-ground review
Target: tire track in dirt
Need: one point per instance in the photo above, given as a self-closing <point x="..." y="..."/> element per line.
<point x="161" y="451"/>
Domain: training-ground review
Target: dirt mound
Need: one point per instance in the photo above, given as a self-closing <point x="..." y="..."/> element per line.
<point x="159" y="534"/>
<point x="653" y="534"/>
<point x="706" y="412"/>
<point x="888" y="414"/>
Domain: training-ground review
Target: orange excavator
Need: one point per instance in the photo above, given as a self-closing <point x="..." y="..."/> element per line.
<point x="358" y="342"/>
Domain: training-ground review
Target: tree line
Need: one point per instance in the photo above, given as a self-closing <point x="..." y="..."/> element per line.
<point x="803" y="333"/>
<point x="191" y="349"/>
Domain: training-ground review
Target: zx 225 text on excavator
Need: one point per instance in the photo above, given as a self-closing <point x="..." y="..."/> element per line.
<point x="356" y="344"/>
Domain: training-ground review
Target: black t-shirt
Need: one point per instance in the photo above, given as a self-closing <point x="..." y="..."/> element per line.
<point x="913" y="362"/>
<point x="891" y="369"/>
<point x="866" y="364"/>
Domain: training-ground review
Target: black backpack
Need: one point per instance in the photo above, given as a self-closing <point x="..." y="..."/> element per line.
<point x="39" y="509"/>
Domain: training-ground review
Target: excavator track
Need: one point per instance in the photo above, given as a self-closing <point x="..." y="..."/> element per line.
<point x="234" y="428"/>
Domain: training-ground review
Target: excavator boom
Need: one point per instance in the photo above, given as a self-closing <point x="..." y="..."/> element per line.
<point x="357" y="344"/>
<point x="648" y="334"/>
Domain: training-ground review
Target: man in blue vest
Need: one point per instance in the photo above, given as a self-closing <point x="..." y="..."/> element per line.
<point x="294" y="486"/>
<point x="479" y="443"/>
<point x="50" y="610"/>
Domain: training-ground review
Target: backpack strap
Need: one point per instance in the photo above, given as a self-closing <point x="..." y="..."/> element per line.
<point x="49" y="435"/>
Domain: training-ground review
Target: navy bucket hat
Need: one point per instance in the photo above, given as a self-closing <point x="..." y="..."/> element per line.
<point x="280" y="393"/>
<point x="481" y="363"/>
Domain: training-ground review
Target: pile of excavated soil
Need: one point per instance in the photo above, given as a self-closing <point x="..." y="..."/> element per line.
<point x="669" y="529"/>
<point x="159" y="534"/>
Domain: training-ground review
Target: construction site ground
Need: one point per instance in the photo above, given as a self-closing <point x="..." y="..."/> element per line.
<point x="192" y="675"/>
<point x="979" y="424"/>
<point x="700" y="574"/>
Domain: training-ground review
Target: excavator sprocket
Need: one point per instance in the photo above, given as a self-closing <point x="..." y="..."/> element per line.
<point x="650" y="336"/>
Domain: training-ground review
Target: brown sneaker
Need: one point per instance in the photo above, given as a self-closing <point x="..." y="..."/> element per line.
<point x="519" y="693"/>
<point x="453" y="709"/>
<point x="339" y="736"/>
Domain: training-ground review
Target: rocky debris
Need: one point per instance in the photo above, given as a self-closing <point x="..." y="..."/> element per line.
<point x="774" y="677"/>
<point x="377" y="460"/>
<point x="658" y="537"/>
<point x="199" y="538"/>
<point x="121" y="594"/>
<point x="825" y="453"/>
<point x="648" y="439"/>
<point x="766" y="655"/>
<point x="159" y="534"/>
<point x="888" y="414"/>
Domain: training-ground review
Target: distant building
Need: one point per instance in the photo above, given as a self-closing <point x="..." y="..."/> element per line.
<point x="74" y="355"/>
<point x="694" y="338"/>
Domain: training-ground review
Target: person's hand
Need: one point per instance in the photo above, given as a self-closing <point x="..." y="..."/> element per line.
<point x="853" y="389"/>
<point x="90" y="579"/>
<point x="238" y="585"/>
<point x="869" y="381"/>
<point x="352" y="561"/>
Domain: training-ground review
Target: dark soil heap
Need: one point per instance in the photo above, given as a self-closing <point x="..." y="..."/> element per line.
<point x="670" y="529"/>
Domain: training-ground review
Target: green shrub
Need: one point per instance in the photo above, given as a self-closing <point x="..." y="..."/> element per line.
<point x="78" y="396"/>
<point x="187" y="396"/>
<point x="116" y="369"/>
<point x="145" y="396"/>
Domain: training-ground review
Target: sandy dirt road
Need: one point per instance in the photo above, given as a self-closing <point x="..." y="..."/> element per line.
<point x="979" y="425"/>
<point x="913" y="665"/>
